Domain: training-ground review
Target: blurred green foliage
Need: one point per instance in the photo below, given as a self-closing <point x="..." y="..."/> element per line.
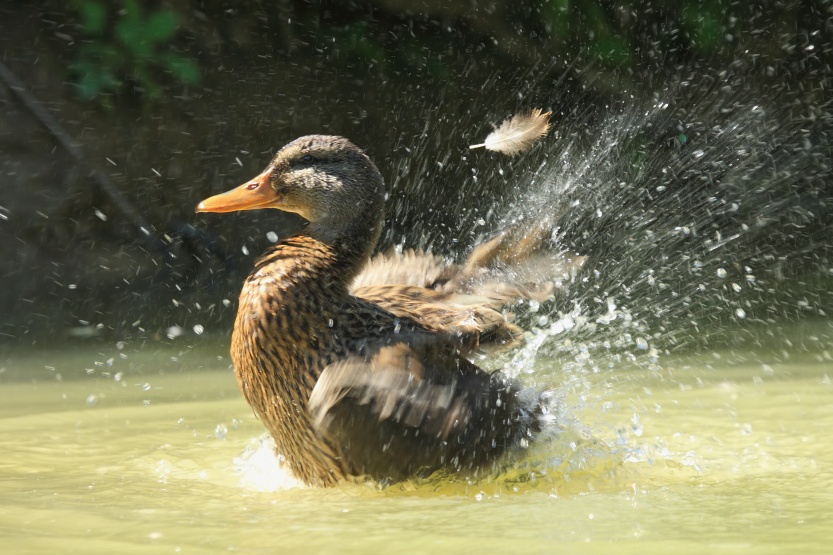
<point x="590" y="24"/>
<point x="705" y="24"/>
<point x="127" y="41"/>
<point x="127" y="45"/>
<point x="426" y="38"/>
<point x="615" y="33"/>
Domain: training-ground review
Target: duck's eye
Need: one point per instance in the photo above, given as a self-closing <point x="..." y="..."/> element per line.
<point x="306" y="158"/>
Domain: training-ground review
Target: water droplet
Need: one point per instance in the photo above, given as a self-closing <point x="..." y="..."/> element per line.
<point x="198" y="329"/>
<point x="91" y="400"/>
<point x="641" y="343"/>
<point x="220" y="431"/>
<point x="272" y="236"/>
<point x="636" y="425"/>
<point x="740" y="313"/>
<point x="721" y="273"/>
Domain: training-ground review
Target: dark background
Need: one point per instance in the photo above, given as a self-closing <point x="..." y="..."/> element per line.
<point x="169" y="102"/>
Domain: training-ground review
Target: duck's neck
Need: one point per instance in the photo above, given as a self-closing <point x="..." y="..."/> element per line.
<point x="350" y="245"/>
<point x="314" y="257"/>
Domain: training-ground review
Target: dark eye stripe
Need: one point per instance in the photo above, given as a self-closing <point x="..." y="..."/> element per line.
<point x="306" y="158"/>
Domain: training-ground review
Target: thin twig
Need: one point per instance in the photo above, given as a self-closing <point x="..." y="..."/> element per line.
<point x="48" y="120"/>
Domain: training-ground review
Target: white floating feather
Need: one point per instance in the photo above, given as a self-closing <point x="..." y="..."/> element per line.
<point x="516" y="134"/>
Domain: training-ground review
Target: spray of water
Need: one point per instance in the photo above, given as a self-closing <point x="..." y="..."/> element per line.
<point x="704" y="212"/>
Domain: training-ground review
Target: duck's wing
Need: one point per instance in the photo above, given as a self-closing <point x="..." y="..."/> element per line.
<point x="540" y="277"/>
<point x="408" y="267"/>
<point x="404" y="407"/>
<point x="514" y="264"/>
<point x="404" y="384"/>
<point x="469" y="318"/>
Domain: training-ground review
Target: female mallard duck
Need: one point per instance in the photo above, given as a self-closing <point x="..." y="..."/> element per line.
<point x="350" y="377"/>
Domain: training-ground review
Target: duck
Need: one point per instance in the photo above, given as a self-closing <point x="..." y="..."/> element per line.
<point x="360" y="366"/>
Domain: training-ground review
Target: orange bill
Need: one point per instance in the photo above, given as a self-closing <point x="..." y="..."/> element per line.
<point x="254" y="194"/>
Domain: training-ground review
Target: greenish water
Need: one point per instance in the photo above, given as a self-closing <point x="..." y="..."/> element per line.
<point x="150" y="449"/>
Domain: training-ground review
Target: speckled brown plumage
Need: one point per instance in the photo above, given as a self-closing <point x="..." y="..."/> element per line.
<point x="353" y="377"/>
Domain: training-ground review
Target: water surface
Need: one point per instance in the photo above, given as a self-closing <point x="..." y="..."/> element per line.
<point x="150" y="449"/>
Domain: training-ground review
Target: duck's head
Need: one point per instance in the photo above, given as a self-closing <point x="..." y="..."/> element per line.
<point x="325" y="179"/>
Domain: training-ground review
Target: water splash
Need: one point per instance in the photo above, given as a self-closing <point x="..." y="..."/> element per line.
<point x="695" y="212"/>
<point x="702" y="212"/>
<point x="260" y="469"/>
